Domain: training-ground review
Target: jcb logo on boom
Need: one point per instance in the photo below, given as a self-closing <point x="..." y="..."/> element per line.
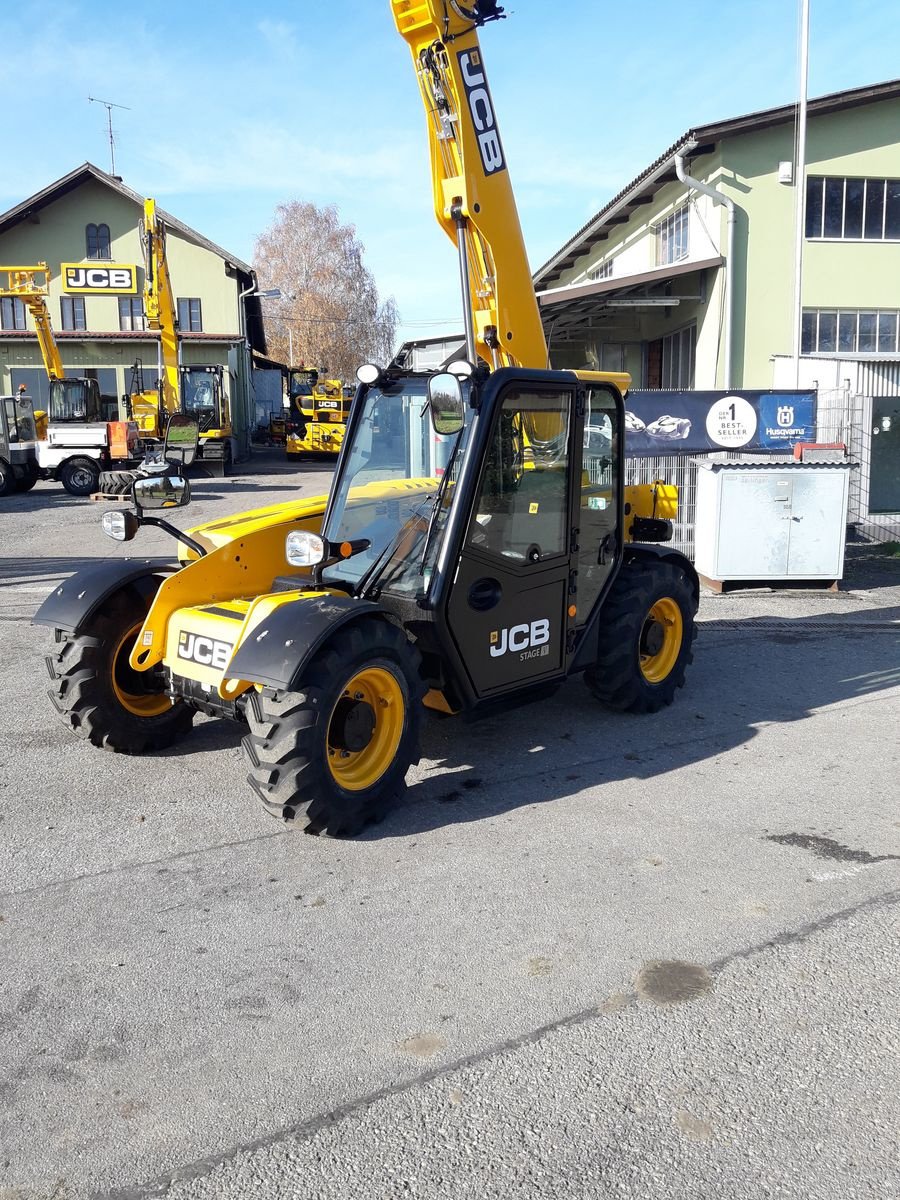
<point x="528" y="641"/>
<point x="482" y="110"/>
<point x="205" y="651"/>
<point x="112" y="279"/>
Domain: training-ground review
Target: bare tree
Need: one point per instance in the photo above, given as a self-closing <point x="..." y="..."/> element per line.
<point x="330" y="310"/>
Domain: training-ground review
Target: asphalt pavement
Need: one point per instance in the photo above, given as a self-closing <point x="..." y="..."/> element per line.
<point x="589" y="955"/>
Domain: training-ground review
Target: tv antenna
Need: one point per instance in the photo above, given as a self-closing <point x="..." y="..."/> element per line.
<point x="109" y="105"/>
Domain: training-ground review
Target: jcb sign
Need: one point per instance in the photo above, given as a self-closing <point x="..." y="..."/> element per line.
<point x="110" y="279"/>
<point x="482" y="110"/>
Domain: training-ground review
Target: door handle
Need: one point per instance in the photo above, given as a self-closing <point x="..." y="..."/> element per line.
<point x="485" y="594"/>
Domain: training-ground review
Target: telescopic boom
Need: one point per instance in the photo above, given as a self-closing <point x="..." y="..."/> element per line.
<point x="473" y="196"/>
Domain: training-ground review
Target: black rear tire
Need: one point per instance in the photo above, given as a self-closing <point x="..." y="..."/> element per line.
<point x="80" y="476"/>
<point x="7" y="479"/>
<point x="97" y="693"/>
<point x="26" y="482"/>
<point x="117" y="483"/>
<point x="627" y="676"/>
<point x="298" y="767"/>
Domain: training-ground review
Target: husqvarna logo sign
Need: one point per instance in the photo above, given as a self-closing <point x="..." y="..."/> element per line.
<point x="110" y="279"/>
<point x="482" y="109"/>
<point x="205" y="651"/>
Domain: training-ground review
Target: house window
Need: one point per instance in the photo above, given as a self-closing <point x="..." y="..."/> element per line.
<point x="189" y="317"/>
<point x="678" y="354"/>
<point x="131" y="313"/>
<point x="612" y="356"/>
<point x="672" y="237"/>
<point x="849" y="331"/>
<point x="12" y="313"/>
<point x="865" y="210"/>
<point x="71" y="310"/>
<point x="604" y="271"/>
<point x="97" y="239"/>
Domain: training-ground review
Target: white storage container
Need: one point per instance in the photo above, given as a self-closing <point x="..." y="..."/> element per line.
<point x="770" y="521"/>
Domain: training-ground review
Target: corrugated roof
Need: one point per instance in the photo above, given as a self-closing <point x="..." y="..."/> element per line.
<point x="659" y="171"/>
<point x="87" y="171"/>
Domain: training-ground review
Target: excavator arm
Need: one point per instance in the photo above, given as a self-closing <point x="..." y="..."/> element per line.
<point x="159" y="304"/>
<point x="22" y="284"/>
<point x="473" y="196"/>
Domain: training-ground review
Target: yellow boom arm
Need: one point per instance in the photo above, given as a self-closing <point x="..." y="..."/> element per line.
<point x="473" y="197"/>
<point x="21" y="283"/>
<point x="159" y="304"/>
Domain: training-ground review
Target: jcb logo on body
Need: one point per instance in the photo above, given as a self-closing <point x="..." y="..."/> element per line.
<point x="112" y="279"/>
<point x="482" y="110"/>
<point x="528" y="641"/>
<point x="205" y="651"/>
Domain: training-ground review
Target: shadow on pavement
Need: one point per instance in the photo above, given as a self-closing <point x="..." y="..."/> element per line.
<point x="742" y="680"/>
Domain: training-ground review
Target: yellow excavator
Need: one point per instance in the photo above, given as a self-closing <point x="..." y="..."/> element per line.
<point x="76" y="443"/>
<point x="478" y="546"/>
<point x="196" y="391"/>
<point x="319" y="409"/>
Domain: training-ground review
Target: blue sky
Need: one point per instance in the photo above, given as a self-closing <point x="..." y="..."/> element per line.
<point x="236" y="107"/>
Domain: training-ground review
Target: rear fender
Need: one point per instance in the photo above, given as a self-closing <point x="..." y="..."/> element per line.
<point x="650" y="552"/>
<point x="276" y="649"/>
<point x="71" y="606"/>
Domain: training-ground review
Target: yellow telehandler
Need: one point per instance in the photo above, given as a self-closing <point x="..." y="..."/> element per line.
<point x="478" y="545"/>
<point x="319" y="412"/>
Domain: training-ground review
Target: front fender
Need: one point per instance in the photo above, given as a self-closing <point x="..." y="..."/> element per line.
<point x="279" y="648"/>
<point x="70" y="606"/>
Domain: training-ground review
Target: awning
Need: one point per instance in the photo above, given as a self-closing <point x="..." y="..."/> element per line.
<point x="571" y="307"/>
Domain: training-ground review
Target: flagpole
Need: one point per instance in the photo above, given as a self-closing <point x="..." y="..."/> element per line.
<point x="800" y="185"/>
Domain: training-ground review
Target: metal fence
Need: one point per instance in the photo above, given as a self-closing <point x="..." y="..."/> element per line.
<point x="841" y="417"/>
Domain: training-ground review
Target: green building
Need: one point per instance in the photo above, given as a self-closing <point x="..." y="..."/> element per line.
<point x="686" y="278"/>
<point x="92" y="219"/>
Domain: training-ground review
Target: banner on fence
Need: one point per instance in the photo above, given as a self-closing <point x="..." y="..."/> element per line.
<point x="698" y="422"/>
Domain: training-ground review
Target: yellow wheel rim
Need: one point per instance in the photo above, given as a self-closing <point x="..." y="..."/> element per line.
<point x="124" y="677"/>
<point x="661" y="640"/>
<point x="357" y="770"/>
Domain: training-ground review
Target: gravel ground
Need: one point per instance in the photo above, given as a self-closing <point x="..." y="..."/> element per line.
<point x="590" y="955"/>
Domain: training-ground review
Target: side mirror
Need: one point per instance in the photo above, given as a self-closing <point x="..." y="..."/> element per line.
<point x="182" y="439"/>
<point x="160" y="491"/>
<point x="445" y="402"/>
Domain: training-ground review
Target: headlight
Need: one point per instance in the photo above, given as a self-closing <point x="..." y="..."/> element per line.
<point x="302" y="549"/>
<point x="114" y="525"/>
<point x="120" y="524"/>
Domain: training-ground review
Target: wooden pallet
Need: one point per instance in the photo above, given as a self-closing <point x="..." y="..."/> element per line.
<point x="112" y="497"/>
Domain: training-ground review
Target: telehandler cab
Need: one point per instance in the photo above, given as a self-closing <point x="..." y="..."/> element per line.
<point x="477" y="546"/>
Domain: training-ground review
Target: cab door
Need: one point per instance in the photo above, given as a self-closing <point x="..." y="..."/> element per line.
<point x="509" y="605"/>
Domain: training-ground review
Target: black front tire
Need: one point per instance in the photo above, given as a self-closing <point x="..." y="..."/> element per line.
<point x="290" y="747"/>
<point x="97" y="693"/>
<point x="80" y="476"/>
<point x="619" y="679"/>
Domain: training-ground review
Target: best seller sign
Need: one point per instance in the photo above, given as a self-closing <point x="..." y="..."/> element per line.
<point x="94" y="279"/>
<point x="694" y="422"/>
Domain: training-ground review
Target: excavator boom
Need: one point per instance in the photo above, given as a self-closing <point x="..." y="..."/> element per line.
<point x="22" y="284"/>
<point x="159" y="304"/>
<point x="473" y="196"/>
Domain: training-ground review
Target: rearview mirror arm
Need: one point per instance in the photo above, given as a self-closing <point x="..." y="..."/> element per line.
<point x="175" y="533"/>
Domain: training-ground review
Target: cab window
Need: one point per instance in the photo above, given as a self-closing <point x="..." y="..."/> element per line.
<point x="521" y="512"/>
